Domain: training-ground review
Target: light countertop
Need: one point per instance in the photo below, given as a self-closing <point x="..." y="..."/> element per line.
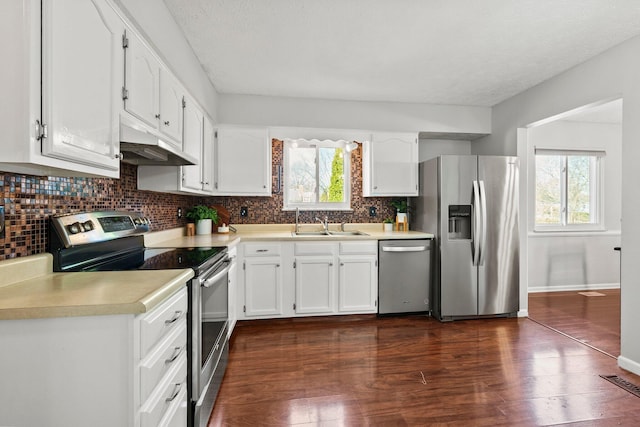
<point x="29" y="289"/>
<point x="274" y="232"/>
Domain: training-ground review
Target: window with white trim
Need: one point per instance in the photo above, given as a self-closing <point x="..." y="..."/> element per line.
<point x="568" y="191"/>
<point x="316" y="175"/>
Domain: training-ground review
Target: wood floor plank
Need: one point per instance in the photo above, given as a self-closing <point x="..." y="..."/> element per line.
<point x="592" y="320"/>
<point x="368" y="371"/>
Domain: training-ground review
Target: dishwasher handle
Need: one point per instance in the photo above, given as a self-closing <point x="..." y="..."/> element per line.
<point x="404" y="248"/>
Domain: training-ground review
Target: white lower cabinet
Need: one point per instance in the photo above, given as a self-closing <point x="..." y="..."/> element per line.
<point x="262" y="267"/>
<point x="113" y="370"/>
<point x="308" y="279"/>
<point x="315" y="285"/>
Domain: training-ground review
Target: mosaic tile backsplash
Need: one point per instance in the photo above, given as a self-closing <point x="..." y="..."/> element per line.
<point x="29" y="201"/>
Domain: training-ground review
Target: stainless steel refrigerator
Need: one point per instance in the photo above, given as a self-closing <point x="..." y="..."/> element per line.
<point x="470" y="204"/>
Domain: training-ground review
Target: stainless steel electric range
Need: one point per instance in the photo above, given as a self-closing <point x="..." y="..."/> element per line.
<point x="113" y="241"/>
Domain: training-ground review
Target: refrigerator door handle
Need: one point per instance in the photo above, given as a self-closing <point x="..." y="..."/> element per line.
<point x="477" y="231"/>
<point x="483" y="202"/>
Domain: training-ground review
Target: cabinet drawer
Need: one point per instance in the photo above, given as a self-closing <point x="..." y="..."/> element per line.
<point x="261" y="249"/>
<point x="165" y="396"/>
<point x="368" y="247"/>
<point x="315" y="248"/>
<point x="156" y="324"/>
<point x="176" y="415"/>
<point x="161" y="359"/>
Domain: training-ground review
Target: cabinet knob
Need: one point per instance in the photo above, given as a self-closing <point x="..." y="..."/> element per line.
<point x="166" y="123"/>
<point x="375" y="187"/>
<point x="157" y="116"/>
<point x="264" y="186"/>
<point x="118" y="156"/>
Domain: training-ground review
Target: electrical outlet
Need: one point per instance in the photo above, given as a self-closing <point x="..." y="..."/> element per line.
<point x="179" y="213"/>
<point x="372" y="211"/>
<point x="244" y="211"/>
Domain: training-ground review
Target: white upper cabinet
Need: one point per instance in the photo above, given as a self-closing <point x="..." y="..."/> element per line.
<point x="171" y="105"/>
<point x="390" y="165"/>
<point x="208" y="156"/>
<point x="142" y="79"/>
<point x="243" y="161"/>
<point x="151" y="93"/>
<point x="63" y="82"/>
<point x="193" y="145"/>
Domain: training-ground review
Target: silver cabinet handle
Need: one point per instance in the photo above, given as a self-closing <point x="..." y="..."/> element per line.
<point x="404" y="248"/>
<point x="262" y="250"/>
<point x="176" y="316"/>
<point x="174" y="355"/>
<point x="174" y="394"/>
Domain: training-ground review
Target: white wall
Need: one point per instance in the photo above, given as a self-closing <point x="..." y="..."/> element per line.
<point x="431" y="148"/>
<point x="381" y="116"/>
<point x="157" y="25"/>
<point x="612" y="74"/>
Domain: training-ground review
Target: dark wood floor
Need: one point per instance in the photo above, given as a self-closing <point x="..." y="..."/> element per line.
<point x="368" y="371"/>
<point x="594" y="320"/>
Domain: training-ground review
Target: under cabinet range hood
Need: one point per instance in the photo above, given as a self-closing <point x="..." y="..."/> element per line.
<point x="139" y="145"/>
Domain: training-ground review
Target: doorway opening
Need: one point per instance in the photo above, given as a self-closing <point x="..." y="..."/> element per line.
<point x="574" y="204"/>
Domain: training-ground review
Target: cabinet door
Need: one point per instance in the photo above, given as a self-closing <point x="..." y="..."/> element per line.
<point x="171" y="105"/>
<point x="81" y="77"/>
<point x="193" y="140"/>
<point x="207" y="169"/>
<point x="142" y="72"/>
<point x="314" y="285"/>
<point x="263" y="287"/>
<point x="392" y="160"/>
<point x="358" y="284"/>
<point x="243" y="161"/>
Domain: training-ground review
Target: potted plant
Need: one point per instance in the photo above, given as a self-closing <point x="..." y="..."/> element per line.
<point x="401" y="209"/>
<point x="204" y="217"/>
<point x="387" y="224"/>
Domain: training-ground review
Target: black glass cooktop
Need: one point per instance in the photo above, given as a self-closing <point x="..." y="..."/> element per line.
<point x="161" y="259"/>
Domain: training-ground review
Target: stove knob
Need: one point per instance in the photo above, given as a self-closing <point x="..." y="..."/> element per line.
<point x="74" y="228"/>
<point x="146" y="220"/>
<point x="88" y="225"/>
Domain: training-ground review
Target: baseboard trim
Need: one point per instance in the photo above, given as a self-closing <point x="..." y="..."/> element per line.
<point x="523" y="313"/>
<point x="629" y="365"/>
<point x="587" y="287"/>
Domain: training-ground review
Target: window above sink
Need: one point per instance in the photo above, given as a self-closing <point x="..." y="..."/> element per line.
<point x="316" y="174"/>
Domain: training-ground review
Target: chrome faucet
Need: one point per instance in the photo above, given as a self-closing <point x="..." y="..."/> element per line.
<point x="297" y="218"/>
<point x="325" y="223"/>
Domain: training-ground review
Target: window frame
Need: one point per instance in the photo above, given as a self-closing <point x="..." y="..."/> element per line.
<point x="596" y="199"/>
<point x="289" y="144"/>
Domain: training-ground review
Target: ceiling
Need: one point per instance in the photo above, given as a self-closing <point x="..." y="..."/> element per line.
<point x="458" y="52"/>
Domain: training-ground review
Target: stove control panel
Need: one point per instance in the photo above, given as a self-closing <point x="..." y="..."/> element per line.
<point x="91" y="227"/>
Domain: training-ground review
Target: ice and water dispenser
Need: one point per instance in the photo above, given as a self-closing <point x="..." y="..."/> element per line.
<point x="459" y="222"/>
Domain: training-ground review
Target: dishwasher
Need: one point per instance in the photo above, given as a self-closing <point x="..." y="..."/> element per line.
<point x="404" y="276"/>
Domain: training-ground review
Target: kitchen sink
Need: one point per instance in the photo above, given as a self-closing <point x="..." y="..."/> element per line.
<point x="327" y="233"/>
<point x="348" y="233"/>
<point x="309" y="233"/>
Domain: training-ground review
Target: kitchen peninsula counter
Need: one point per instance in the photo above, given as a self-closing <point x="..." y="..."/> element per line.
<point x="29" y="289"/>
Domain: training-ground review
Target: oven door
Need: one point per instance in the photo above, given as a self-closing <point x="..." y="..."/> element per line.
<point x="209" y="351"/>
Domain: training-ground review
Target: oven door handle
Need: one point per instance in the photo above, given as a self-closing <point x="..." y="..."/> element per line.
<point x="213" y="279"/>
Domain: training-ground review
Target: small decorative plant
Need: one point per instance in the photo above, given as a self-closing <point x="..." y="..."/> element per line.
<point x="400" y="205"/>
<point x="388" y="220"/>
<point x="200" y="212"/>
<point x="387" y="224"/>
